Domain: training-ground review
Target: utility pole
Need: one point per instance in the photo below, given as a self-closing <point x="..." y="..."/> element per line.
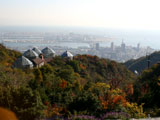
<point x="148" y="61"/>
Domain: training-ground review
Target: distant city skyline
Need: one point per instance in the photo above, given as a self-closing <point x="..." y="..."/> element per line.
<point x="120" y="14"/>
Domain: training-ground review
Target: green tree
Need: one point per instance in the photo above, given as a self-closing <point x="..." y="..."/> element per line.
<point x="23" y="101"/>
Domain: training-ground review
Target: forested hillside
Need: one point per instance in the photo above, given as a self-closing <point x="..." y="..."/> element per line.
<point x="142" y="63"/>
<point x="85" y="87"/>
<point x="7" y="56"/>
<point x="147" y="90"/>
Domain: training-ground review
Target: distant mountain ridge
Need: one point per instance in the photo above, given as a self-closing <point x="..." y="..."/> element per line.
<point x="142" y="63"/>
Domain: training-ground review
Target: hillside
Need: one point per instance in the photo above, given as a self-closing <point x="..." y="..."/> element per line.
<point x="87" y="86"/>
<point x="141" y="63"/>
<point x="147" y="90"/>
<point x="7" y="56"/>
<point x="97" y="70"/>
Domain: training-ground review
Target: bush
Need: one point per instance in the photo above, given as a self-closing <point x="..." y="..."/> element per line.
<point x="23" y="101"/>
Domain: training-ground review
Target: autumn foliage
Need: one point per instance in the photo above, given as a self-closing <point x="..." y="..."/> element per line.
<point x="86" y="85"/>
<point x="63" y="84"/>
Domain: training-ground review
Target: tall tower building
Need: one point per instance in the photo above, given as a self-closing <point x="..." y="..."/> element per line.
<point x="123" y="46"/>
<point x="97" y="46"/>
<point x="138" y="46"/>
<point x="112" y="46"/>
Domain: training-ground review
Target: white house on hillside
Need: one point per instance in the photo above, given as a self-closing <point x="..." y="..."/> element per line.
<point x="38" y="51"/>
<point x="37" y="58"/>
<point x="23" y="63"/>
<point x="30" y="54"/>
<point x="48" y="52"/>
<point x="68" y="55"/>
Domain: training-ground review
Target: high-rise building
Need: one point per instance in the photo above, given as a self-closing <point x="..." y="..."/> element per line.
<point x="123" y="46"/>
<point x="138" y="46"/>
<point x="112" y="46"/>
<point x="97" y="46"/>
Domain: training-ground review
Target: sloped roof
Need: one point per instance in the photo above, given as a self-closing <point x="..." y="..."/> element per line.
<point x="38" y="61"/>
<point x="48" y="51"/>
<point x="30" y="53"/>
<point x="48" y="60"/>
<point x="38" y="51"/>
<point x="23" y="61"/>
<point x="67" y="54"/>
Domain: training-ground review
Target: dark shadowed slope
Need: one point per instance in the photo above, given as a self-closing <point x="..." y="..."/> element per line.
<point x="142" y="63"/>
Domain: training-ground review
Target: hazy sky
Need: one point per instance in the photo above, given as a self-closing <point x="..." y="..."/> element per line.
<point x="129" y="14"/>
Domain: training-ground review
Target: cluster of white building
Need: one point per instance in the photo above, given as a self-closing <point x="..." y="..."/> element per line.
<point x="37" y="58"/>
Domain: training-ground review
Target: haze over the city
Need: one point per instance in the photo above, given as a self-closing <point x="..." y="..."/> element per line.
<point x="134" y="21"/>
<point x="122" y="14"/>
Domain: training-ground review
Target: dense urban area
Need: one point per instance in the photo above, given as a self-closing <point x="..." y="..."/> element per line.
<point x="101" y="46"/>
